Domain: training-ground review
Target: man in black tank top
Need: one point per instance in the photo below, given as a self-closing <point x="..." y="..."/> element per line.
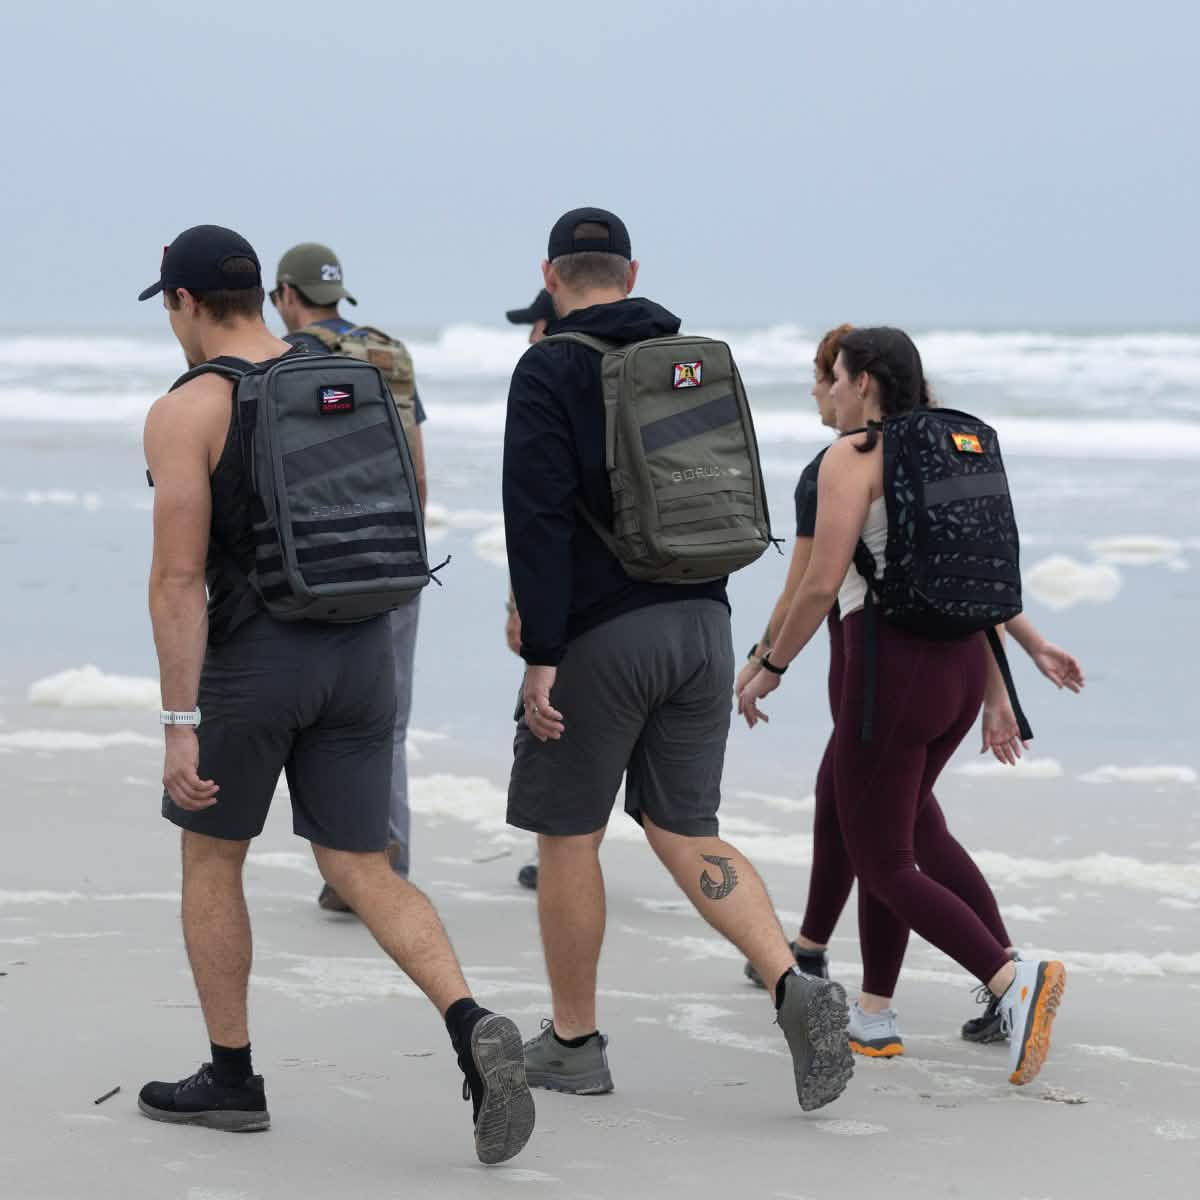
<point x="247" y="696"/>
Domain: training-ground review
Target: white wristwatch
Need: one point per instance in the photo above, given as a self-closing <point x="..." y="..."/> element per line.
<point x="166" y="717"/>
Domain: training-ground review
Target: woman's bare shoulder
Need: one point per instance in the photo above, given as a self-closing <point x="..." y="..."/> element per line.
<point x="845" y="453"/>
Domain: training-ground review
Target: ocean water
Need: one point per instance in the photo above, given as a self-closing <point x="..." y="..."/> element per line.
<point x="1102" y="441"/>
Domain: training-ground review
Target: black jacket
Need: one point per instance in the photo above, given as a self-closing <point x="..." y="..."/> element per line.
<point x="565" y="580"/>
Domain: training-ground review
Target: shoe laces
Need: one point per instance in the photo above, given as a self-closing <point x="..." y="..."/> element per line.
<point x="201" y="1077"/>
<point x="985" y="995"/>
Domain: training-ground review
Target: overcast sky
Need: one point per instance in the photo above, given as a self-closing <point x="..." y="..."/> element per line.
<point x="948" y="162"/>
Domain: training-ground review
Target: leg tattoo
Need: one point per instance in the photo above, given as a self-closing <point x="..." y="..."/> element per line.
<point x="729" y="879"/>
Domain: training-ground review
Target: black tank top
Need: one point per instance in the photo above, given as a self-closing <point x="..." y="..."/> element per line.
<point x="231" y="599"/>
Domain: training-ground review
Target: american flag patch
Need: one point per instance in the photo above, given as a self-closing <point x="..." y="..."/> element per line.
<point x="335" y="399"/>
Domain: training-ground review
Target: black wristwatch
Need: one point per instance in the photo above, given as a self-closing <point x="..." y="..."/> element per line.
<point x="753" y="652"/>
<point x="768" y="665"/>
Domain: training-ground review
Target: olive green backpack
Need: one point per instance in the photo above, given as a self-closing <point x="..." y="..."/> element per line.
<point x="687" y="487"/>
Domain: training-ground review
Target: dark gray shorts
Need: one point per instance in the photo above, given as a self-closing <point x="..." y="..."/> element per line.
<point x="316" y="701"/>
<point x="647" y="695"/>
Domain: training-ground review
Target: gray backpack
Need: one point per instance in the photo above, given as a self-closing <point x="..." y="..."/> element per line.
<point x="338" y="530"/>
<point x="687" y="488"/>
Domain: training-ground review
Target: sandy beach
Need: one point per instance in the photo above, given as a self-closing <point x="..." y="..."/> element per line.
<point x="95" y="994"/>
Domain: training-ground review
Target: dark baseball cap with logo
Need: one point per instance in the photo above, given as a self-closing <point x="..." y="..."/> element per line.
<point x="565" y="237"/>
<point x="196" y="260"/>
<point x="314" y="271"/>
<point x="542" y="309"/>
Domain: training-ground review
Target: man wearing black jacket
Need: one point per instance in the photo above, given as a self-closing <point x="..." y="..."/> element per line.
<point x="624" y="678"/>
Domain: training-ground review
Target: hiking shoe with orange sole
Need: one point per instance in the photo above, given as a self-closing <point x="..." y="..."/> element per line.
<point x="1028" y="1009"/>
<point x="874" y="1035"/>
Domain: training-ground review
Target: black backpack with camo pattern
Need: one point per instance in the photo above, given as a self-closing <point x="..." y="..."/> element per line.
<point x="952" y="562"/>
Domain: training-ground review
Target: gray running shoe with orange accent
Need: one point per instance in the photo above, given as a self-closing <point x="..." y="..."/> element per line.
<point x="874" y="1035"/>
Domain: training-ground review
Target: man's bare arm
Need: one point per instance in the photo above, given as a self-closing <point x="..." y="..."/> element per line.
<point x="177" y="452"/>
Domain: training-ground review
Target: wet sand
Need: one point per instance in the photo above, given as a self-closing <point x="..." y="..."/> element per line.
<point x="362" y="1085"/>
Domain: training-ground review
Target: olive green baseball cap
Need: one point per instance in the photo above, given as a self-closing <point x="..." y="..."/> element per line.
<point x="315" y="271"/>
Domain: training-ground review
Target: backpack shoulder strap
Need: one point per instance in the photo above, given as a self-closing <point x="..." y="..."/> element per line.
<point x="601" y="347"/>
<point x="584" y="339"/>
<point x="997" y="646"/>
<point x="325" y="336"/>
<point x="228" y="367"/>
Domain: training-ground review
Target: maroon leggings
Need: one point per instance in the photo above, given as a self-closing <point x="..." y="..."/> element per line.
<point x="920" y="838"/>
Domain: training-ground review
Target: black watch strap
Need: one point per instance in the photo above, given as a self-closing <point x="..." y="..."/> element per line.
<point x="768" y="665"/>
<point x="753" y="652"/>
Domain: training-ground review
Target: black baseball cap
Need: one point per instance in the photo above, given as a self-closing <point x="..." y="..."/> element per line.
<point x="564" y="239"/>
<point x="542" y="309"/>
<point x="196" y="260"/>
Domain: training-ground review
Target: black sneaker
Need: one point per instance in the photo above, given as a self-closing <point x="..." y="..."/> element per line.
<point x="330" y="901"/>
<point x="527" y="876"/>
<point x="987" y="1030"/>
<point x="201" y="1100"/>
<point x="811" y="962"/>
<point x="501" y="1104"/>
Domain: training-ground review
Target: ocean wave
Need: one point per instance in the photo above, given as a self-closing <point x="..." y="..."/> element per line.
<point x="1120" y="395"/>
<point x="780" y="352"/>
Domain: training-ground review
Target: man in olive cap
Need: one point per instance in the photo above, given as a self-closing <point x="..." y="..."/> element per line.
<point x="309" y="285"/>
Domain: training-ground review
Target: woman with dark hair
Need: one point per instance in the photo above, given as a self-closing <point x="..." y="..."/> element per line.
<point x="928" y="694"/>
<point x="831" y="876"/>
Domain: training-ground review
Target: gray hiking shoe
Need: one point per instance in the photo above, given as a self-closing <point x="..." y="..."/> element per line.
<point x="577" y="1070"/>
<point x="813" y="1018"/>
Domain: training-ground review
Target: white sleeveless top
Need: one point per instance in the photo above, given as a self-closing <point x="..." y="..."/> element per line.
<point x="853" y="593"/>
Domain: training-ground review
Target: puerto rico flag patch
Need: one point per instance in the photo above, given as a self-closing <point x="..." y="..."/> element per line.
<point x="335" y="399"/>
<point x="687" y="375"/>
<point x="967" y="443"/>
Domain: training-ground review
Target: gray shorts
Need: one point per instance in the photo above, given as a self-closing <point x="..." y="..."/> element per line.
<point x="647" y="695"/>
<point x="314" y="701"/>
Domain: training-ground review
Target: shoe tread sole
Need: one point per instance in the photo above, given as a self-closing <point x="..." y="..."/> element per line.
<point x="228" y="1120"/>
<point x="1052" y="982"/>
<point x="823" y="1061"/>
<point x="878" y="1048"/>
<point x="506" y="1112"/>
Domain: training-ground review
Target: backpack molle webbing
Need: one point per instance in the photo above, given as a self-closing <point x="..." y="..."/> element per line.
<point x="338" y="534"/>
<point x="687" y="489"/>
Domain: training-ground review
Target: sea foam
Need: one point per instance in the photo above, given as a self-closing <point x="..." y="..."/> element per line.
<point x="1060" y="582"/>
<point x="89" y="687"/>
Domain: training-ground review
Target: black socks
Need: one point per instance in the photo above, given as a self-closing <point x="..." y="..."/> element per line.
<point x="461" y="1017"/>
<point x="575" y="1043"/>
<point x="231" y="1067"/>
<point x="781" y="985"/>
